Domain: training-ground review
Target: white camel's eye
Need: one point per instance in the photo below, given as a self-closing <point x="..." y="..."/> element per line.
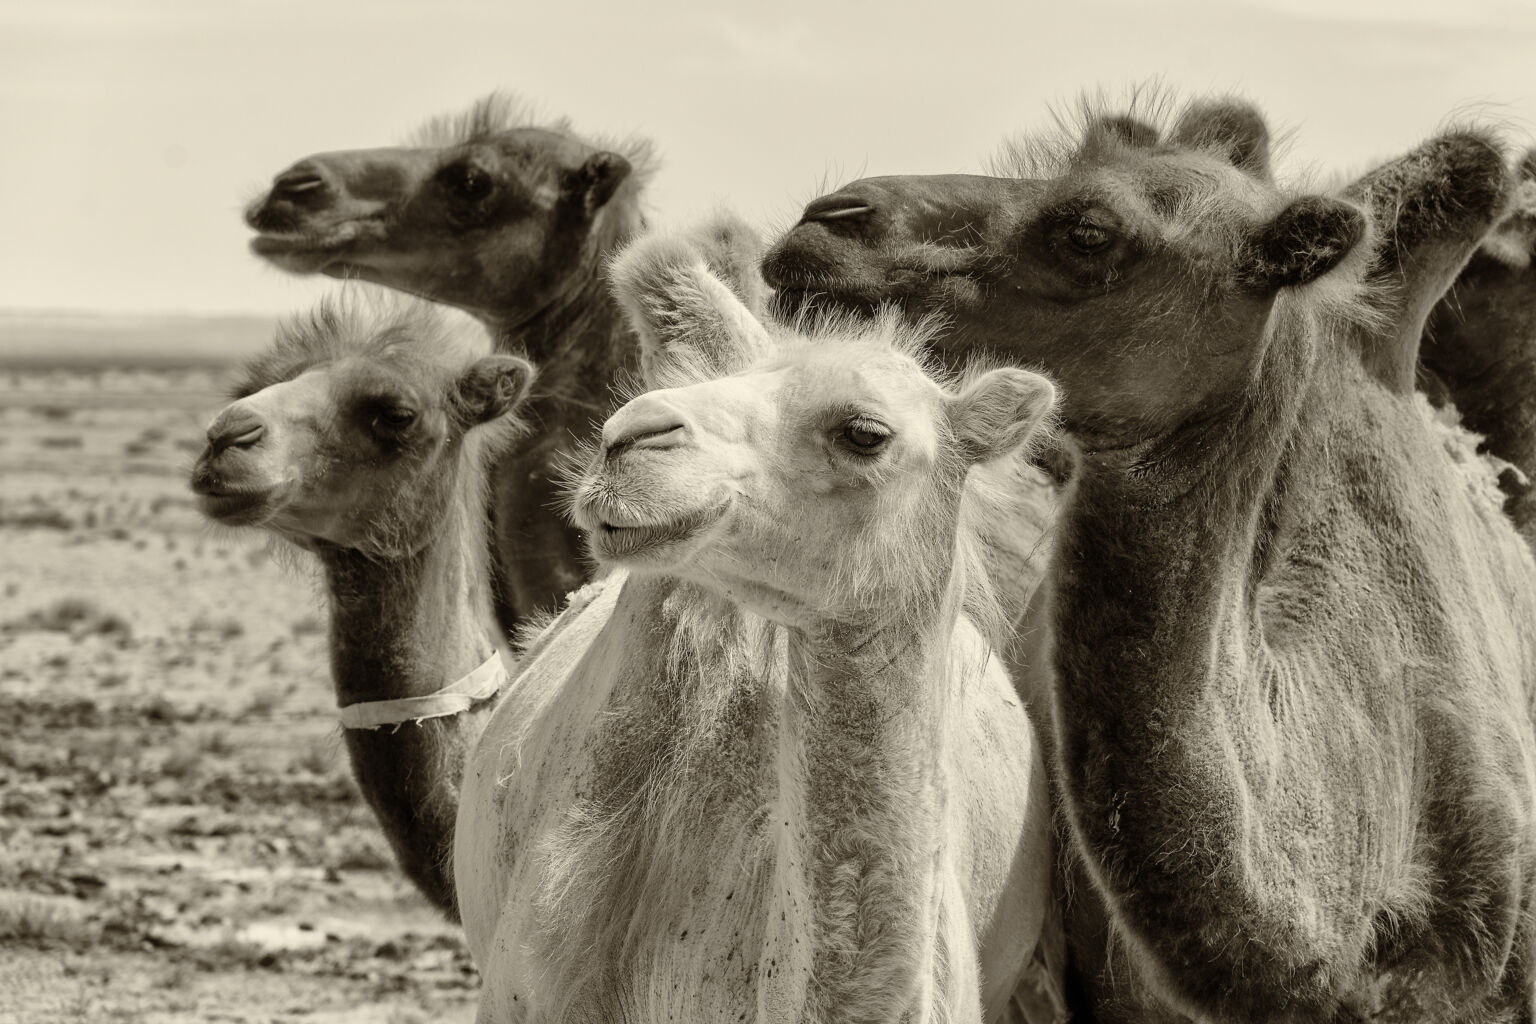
<point x="864" y="436"/>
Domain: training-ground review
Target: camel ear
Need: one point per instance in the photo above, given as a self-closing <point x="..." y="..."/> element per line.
<point x="1000" y="411"/>
<point x="1126" y="130"/>
<point x="596" y="180"/>
<point x="493" y="387"/>
<point x="1431" y="208"/>
<point x="733" y="251"/>
<point x="1234" y="129"/>
<point x="691" y="325"/>
<point x="1302" y="243"/>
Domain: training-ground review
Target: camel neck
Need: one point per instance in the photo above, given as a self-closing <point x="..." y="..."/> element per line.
<point x="863" y="794"/>
<point x="1159" y="548"/>
<point x="407" y="625"/>
<point x="579" y="343"/>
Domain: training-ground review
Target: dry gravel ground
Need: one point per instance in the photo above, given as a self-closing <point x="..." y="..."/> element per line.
<point x="179" y="837"/>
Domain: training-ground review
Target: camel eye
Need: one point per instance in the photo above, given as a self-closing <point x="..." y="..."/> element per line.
<point x="393" y="420"/>
<point x="465" y="181"/>
<point x="864" y="436"/>
<point x="1088" y="238"/>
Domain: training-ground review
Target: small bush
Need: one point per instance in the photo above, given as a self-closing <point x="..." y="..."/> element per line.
<point x="34" y="920"/>
<point x="78" y="617"/>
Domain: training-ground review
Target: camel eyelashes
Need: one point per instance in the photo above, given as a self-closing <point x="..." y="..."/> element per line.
<point x="864" y="437"/>
<point x="393" y="419"/>
<point x="1088" y="238"/>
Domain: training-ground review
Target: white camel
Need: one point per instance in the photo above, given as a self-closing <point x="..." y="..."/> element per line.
<point x="769" y="768"/>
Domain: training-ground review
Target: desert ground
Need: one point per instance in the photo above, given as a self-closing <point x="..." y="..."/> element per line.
<point x="180" y="839"/>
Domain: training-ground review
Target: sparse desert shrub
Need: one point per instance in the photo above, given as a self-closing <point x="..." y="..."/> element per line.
<point x="263" y="702"/>
<point x="76" y="616"/>
<point x="359" y="853"/>
<point x="224" y="629"/>
<point x="308" y="625"/>
<point x="44" y="518"/>
<point x="34" y="920"/>
<point x="56" y="413"/>
<point x="61" y="441"/>
<point x="217" y="743"/>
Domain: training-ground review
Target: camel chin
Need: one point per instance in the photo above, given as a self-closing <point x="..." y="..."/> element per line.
<point x="654" y="545"/>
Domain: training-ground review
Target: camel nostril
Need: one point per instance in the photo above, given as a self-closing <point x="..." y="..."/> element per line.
<point x="298" y="186"/>
<point x="236" y="433"/>
<point x="837" y="207"/>
<point x="658" y="438"/>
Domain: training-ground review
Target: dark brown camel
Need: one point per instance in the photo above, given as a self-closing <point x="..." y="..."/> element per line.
<point x="513" y="223"/>
<point x="1290" y="636"/>
<point x="365" y="435"/>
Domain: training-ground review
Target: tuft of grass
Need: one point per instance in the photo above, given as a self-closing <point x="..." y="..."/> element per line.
<point x="38" y="518"/>
<point x="77" y="616"/>
<point x="224" y="629"/>
<point x="35" y="920"/>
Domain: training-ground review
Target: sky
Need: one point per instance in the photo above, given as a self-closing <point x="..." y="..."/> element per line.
<point x="135" y="131"/>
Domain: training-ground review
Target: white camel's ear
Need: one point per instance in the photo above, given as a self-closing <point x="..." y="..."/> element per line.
<point x="691" y="326"/>
<point x="1000" y="411"/>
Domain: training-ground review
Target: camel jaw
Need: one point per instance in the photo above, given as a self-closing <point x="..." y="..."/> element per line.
<point x="236" y="507"/>
<point x="619" y="539"/>
<point x="316" y="250"/>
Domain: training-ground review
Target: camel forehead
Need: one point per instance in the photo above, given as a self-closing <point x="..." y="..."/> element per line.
<point x="1189" y="190"/>
<point x="536" y="149"/>
<point x="814" y="380"/>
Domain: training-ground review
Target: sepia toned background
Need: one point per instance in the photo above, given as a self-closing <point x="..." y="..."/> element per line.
<point x="179" y="839"/>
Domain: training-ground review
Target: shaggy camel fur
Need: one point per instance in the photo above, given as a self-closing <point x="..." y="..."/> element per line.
<point x="1291" y="636"/>
<point x="764" y="770"/>
<point x="365" y="436"/>
<point x="1480" y="349"/>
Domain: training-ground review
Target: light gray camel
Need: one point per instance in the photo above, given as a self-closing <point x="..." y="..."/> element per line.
<point x="365" y="435"/>
<point x="769" y="768"/>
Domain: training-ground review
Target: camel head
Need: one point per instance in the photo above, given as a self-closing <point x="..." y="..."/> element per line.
<point x="486" y="212"/>
<point x="351" y="430"/>
<point x="1138" y="265"/>
<point x="806" y="475"/>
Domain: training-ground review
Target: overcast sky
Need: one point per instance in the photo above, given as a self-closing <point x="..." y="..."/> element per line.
<point x="135" y="130"/>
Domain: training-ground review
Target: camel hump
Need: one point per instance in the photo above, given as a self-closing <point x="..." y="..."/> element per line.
<point x="1513" y="241"/>
<point x="732" y="250"/>
<point x="1451" y="189"/>
<point x="692" y="324"/>
<point x="1231" y="128"/>
<point x="1432" y="207"/>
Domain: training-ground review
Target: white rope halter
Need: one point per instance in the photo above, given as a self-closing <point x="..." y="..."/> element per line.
<point x="458" y="696"/>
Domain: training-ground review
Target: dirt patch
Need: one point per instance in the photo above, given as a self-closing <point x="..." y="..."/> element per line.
<point x="179" y="838"/>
